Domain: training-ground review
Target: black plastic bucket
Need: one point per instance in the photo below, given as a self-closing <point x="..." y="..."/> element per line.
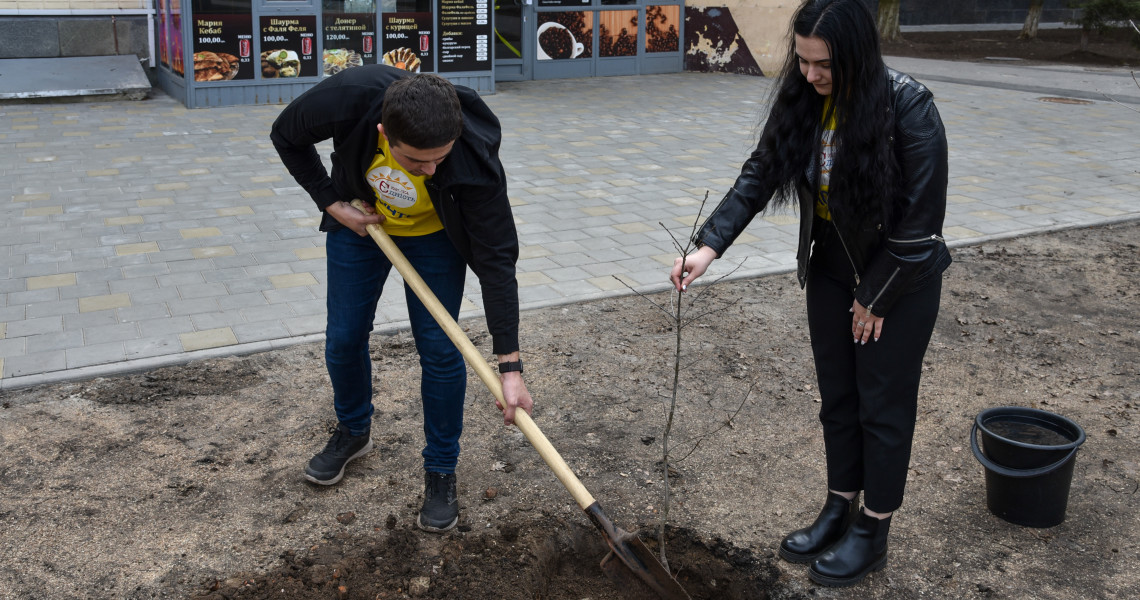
<point x="1029" y="456"/>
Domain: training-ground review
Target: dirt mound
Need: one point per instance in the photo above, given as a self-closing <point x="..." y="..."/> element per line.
<point x="1115" y="48"/>
<point x="543" y="558"/>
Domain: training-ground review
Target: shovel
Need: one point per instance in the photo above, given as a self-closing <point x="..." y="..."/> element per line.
<point x="626" y="549"/>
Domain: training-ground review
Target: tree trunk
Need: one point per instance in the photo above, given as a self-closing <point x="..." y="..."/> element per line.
<point x="889" y="21"/>
<point x="1032" y="20"/>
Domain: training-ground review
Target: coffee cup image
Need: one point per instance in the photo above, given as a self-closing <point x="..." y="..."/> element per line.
<point x="555" y="41"/>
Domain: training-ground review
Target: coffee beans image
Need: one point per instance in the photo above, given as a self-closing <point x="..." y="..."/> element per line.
<point x="661" y="29"/>
<point x="617" y="35"/>
<point x="555" y="42"/>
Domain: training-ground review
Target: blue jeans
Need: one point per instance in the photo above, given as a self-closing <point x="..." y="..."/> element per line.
<point x="357" y="270"/>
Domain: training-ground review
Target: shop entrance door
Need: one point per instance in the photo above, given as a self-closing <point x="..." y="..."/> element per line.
<point x="513" y="37"/>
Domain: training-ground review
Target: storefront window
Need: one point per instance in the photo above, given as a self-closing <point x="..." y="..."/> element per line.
<point x="617" y="33"/>
<point x="407" y="41"/>
<point x="465" y="34"/>
<point x="222" y="35"/>
<point x="349" y="35"/>
<point x="508" y="29"/>
<point x="287" y="46"/>
<point x="174" y="33"/>
<point x="661" y="28"/>
<point x="405" y="6"/>
<point x="565" y="35"/>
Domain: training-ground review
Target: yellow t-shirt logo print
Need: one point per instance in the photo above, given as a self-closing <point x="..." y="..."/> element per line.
<point x="400" y="196"/>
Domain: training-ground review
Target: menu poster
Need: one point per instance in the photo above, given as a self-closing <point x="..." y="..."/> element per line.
<point x="222" y="47"/>
<point x="175" y="33"/>
<point x="163" y="38"/>
<point x="464" y="35"/>
<point x="287" y="46"/>
<point x="349" y="41"/>
<point x="407" y="41"/>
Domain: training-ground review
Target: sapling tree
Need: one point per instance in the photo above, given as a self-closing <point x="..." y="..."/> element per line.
<point x="684" y="310"/>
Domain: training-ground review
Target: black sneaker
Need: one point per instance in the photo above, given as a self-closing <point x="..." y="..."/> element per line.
<point x="441" y="506"/>
<point x="327" y="467"/>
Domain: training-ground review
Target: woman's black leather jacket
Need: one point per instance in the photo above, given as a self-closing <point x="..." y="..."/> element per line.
<point x="886" y="265"/>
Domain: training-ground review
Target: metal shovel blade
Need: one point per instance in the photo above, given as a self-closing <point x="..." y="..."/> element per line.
<point x="631" y="566"/>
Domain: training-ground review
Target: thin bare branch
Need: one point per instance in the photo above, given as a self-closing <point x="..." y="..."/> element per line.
<point x="727" y="423"/>
<point x="711" y="311"/>
<point x="1114" y="100"/>
<point x="667" y="311"/>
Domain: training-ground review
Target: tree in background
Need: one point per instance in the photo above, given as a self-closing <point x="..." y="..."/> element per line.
<point x="889" y="21"/>
<point x="1032" y="20"/>
<point x="1103" y="15"/>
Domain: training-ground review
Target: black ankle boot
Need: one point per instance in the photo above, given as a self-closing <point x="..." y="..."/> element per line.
<point x="861" y="550"/>
<point x="803" y="545"/>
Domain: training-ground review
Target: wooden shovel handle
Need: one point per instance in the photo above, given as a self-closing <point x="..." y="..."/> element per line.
<point x="476" y="360"/>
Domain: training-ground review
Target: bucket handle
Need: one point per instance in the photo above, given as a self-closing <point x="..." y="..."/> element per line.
<point x="1008" y="472"/>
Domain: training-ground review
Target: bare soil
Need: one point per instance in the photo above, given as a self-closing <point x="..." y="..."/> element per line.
<point x="1114" y="48"/>
<point x="185" y="482"/>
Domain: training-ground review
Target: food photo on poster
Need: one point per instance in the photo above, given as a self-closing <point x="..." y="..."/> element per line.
<point x="407" y="41"/>
<point x="222" y="47"/>
<point x="287" y="46"/>
<point x="349" y="41"/>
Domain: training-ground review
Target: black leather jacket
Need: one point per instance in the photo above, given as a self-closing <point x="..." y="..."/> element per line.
<point x="885" y="267"/>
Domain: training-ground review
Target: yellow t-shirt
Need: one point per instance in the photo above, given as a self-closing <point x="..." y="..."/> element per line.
<point x="401" y="197"/>
<point x="826" y="160"/>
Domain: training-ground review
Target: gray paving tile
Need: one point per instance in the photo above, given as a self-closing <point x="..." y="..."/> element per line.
<point x="110" y="333"/>
<point x="52" y="309"/>
<point x="34" y="326"/>
<point x="97" y="354"/>
<point x="165" y="326"/>
<point x="35" y="364"/>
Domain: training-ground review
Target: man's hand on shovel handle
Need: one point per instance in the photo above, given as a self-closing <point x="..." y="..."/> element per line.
<point x="353" y="218"/>
<point x="514" y="391"/>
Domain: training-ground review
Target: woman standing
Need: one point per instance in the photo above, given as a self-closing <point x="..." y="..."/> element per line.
<point x="861" y="150"/>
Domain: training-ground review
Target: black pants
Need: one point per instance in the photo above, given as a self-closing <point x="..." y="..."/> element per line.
<point x="869" y="392"/>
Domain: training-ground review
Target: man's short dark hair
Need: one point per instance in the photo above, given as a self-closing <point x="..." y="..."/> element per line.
<point x="422" y="111"/>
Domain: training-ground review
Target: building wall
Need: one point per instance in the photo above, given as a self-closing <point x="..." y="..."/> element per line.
<point x="761" y="28"/>
<point x="72" y="5"/>
<point x="51" y="28"/>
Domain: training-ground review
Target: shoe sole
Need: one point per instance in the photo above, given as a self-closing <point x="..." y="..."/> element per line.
<point x="365" y="450"/>
<point x="428" y="528"/>
<point x="835" y="582"/>
<point x="798" y="559"/>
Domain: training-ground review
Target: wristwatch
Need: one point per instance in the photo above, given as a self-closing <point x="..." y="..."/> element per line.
<point x="507" y="367"/>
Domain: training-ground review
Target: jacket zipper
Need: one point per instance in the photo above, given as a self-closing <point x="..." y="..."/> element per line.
<point x="934" y="237"/>
<point x="843" y="243"/>
<point x="883" y="289"/>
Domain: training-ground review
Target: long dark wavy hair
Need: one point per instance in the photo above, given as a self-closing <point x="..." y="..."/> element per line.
<point x="864" y="175"/>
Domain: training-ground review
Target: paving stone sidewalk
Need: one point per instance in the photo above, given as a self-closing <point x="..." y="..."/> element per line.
<point x="140" y="234"/>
